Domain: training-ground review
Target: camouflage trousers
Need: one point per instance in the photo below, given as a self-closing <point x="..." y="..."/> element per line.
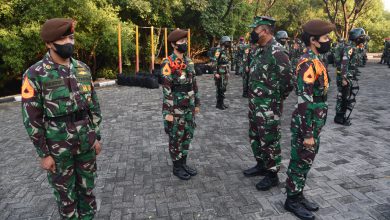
<point x="301" y="157"/>
<point x="245" y="82"/>
<point x="180" y="132"/>
<point x="75" y="159"/>
<point x="221" y="82"/>
<point x="239" y="67"/>
<point x="342" y="97"/>
<point x="264" y="134"/>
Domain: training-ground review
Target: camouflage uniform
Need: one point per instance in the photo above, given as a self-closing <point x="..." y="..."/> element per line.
<point x="271" y="80"/>
<point x="240" y="58"/>
<point x="346" y="69"/>
<point x="62" y="116"/>
<point x="295" y="54"/>
<point x="248" y="57"/>
<point x="180" y="97"/>
<point x="307" y="120"/>
<point x="222" y="58"/>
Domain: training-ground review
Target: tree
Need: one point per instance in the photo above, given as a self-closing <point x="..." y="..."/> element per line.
<point x="344" y="13"/>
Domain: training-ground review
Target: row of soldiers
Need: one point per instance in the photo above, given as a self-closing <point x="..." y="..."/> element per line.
<point x="353" y="50"/>
<point x="62" y="116"/>
<point x="270" y="67"/>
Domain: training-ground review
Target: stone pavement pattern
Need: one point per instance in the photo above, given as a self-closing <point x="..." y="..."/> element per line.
<point x="350" y="178"/>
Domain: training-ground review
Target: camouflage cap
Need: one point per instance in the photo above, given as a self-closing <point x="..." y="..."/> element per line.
<point x="262" y="20"/>
<point x="54" y="29"/>
<point x="318" y="27"/>
<point x="177" y="35"/>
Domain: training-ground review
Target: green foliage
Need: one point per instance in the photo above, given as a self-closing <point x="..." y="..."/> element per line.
<point x="97" y="20"/>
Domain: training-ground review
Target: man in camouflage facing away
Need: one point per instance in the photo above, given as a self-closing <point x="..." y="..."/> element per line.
<point x="221" y="61"/>
<point x="180" y="103"/>
<point x="309" y="115"/>
<point x="271" y="80"/>
<point x="62" y="116"/>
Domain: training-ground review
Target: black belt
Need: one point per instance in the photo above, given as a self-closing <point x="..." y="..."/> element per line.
<point x="73" y="117"/>
<point x="182" y="88"/>
<point x="318" y="99"/>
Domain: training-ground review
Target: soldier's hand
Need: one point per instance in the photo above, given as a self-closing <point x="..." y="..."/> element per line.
<point x="169" y="118"/>
<point x="345" y="82"/>
<point x="197" y="110"/>
<point x="97" y="147"/>
<point x="309" y="142"/>
<point x="47" y="163"/>
<point x="217" y="76"/>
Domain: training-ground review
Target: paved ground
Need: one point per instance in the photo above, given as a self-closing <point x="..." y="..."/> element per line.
<point x="350" y="178"/>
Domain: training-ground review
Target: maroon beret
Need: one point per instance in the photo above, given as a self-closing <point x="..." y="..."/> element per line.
<point x="54" y="29"/>
<point x="177" y="35"/>
<point x="318" y="27"/>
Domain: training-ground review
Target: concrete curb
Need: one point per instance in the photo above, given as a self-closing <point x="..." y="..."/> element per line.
<point x="18" y="98"/>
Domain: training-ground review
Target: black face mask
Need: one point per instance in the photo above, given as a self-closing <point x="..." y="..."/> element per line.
<point x="227" y="44"/>
<point x="325" y="47"/>
<point x="360" y="41"/>
<point x="65" y="51"/>
<point x="283" y="42"/>
<point x="254" y="37"/>
<point x="182" y="48"/>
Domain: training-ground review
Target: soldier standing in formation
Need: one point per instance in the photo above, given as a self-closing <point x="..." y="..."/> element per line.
<point x="271" y="81"/>
<point x="282" y="38"/>
<point x="222" y="59"/>
<point x="62" y="116"/>
<point x="180" y="103"/>
<point x="309" y="116"/>
<point x="347" y="75"/>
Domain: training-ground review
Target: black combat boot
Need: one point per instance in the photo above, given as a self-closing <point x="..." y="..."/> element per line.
<point x="294" y="205"/>
<point x="271" y="179"/>
<point x="257" y="170"/>
<point x="179" y="171"/>
<point x="220" y="105"/>
<point x="224" y="105"/>
<point x="340" y="119"/>
<point x="189" y="170"/>
<point x="311" y="206"/>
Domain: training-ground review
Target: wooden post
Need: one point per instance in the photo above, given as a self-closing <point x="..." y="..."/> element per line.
<point x="136" y="50"/>
<point x="152" y="47"/>
<point x="120" y="48"/>
<point x="189" y="43"/>
<point x="166" y="42"/>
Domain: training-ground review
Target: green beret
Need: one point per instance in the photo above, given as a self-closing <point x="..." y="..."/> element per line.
<point x="177" y="35"/>
<point x="262" y="20"/>
<point x="318" y="27"/>
<point x="56" y="28"/>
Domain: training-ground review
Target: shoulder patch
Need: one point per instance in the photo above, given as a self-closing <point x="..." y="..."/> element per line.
<point x="166" y="70"/>
<point x="309" y="75"/>
<point x="350" y="52"/>
<point x="27" y="89"/>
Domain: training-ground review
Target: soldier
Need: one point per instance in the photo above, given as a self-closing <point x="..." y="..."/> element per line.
<point x="61" y="114"/>
<point x="247" y="58"/>
<point x="222" y="59"/>
<point x="346" y="77"/>
<point x="296" y="53"/>
<point x="180" y="103"/>
<point x="282" y="38"/>
<point x="271" y="81"/>
<point x="309" y="116"/>
<point x="240" y="56"/>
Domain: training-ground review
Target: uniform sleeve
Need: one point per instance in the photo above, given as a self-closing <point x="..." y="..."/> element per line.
<point x="305" y="82"/>
<point x="96" y="113"/>
<point x="167" y="107"/>
<point x="32" y="113"/>
<point x="286" y="74"/>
